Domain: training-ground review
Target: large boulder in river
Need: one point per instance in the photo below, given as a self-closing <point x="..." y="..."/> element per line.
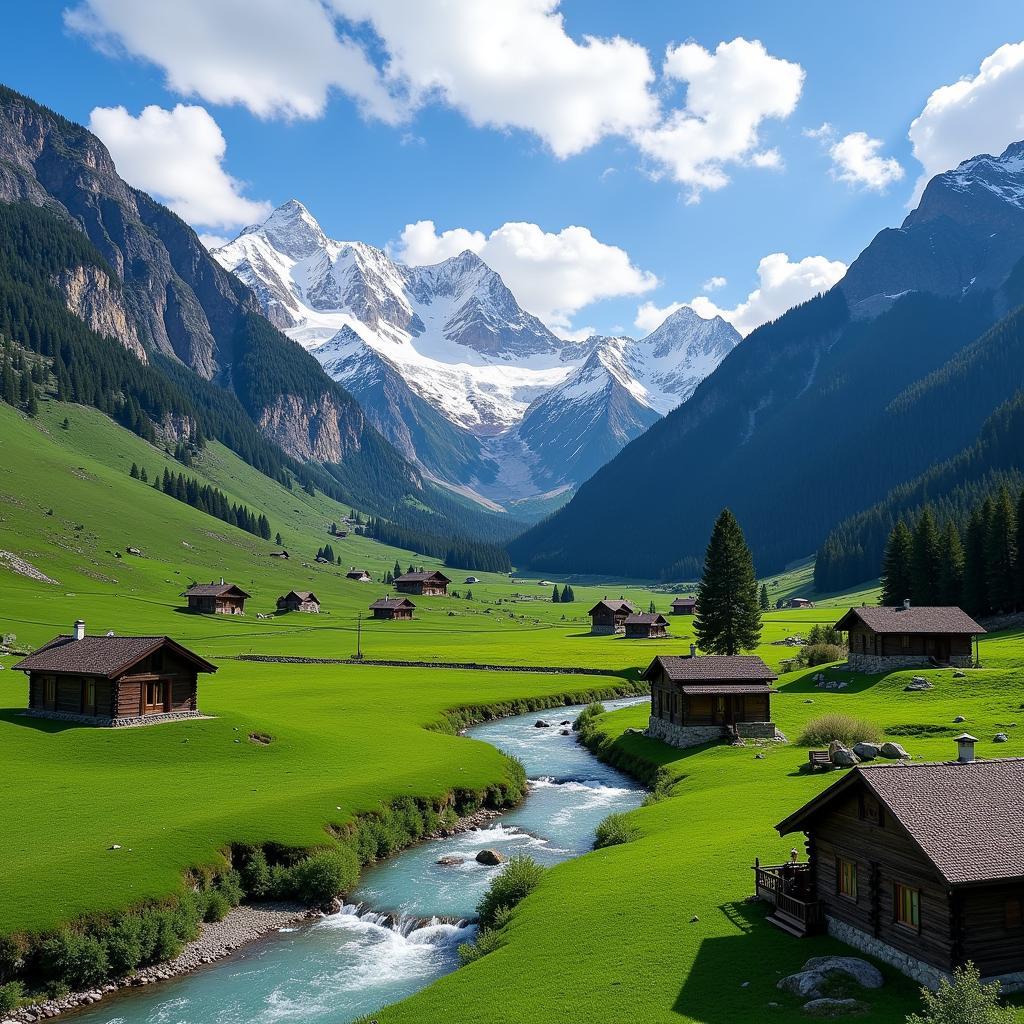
<point x="449" y="860"/>
<point x="490" y="857"/>
<point x="866" y="975"/>
<point x="541" y="724"/>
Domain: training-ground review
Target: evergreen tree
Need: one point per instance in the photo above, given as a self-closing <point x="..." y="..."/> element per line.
<point x="469" y="595"/>
<point x="764" y="603"/>
<point x="277" y="539"/>
<point x="951" y="572"/>
<point x="975" y="568"/>
<point x="896" y="566"/>
<point x="398" y="568"/>
<point x="143" y="475"/>
<point x="925" y="560"/>
<point x="66" y="425"/>
<point x="554" y="594"/>
<point x="1020" y="548"/>
<point x="651" y="609"/>
<point x="32" y="405"/>
<point x="728" y="618"/>
<point x="134" y="471"/>
<point x="1001" y="554"/>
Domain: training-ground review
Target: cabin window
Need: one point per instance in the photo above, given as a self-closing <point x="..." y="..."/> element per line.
<point x="905" y="641"/>
<point x="50" y="690"/>
<point x="846" y="878"/>
<point x="1014" y="916"/>
<point x="907" y="902"/>
<point x="156" y="694"/>
<point x="90" y="695"/>
<point x="871" y="810"/>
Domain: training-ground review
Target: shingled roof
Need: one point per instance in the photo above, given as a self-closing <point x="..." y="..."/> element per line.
<point x="421" y="577"/>
<point x="614" y="605"/>
<point x="302" y="595"/>
<point x="392" y="602"/>
<point x="213" y="590"/>
<point x="708" y="668"/>
<point x="646" y="619"/>
<point x="899" y="619"/>
<point x="108" y="656"/>
<point x="967" y="818"/>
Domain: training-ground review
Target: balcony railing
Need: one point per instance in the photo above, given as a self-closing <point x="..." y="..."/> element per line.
<point x="786" y="887"/>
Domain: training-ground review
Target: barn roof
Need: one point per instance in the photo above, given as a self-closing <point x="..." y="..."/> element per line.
<point x="688" y="601"/>
<point x="392" y="602"/>
<point x="712" y="689"/>
<point x="615" y="605"/>
<point x="967" y="818"/>
<point x="302" y="595"/>
<point x="646" y="618"/>
<point x="421" y="577"/>
<point x="713" y="668"/>
<point x="108" y="656"/>
<point x="899" y="619"/>
<point x="214" y="590"/>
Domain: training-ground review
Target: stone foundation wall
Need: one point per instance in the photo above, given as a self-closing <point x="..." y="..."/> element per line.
<point x="921" y="972"/>
<point x="115" y="723"/>
<point x="877" y="663"/>
<point x="683" y="735"/>
<point x="758" y="731"/>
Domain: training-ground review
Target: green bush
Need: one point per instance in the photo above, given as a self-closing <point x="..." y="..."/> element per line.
<point x="964" y="1001"/>
<point x="847" y="729"/>
<point x="77" y="960"/>
<point x="11" y="995"/>
<point x="520" y="876"/>
<point x="322" y="876"/>
<point x="822" y="654"/>
<point x="487" y="941"/>
<point x="124" y="942"/>
<point x="229" y="885"/>
<point x="586" y="717"/>
<point x="615" y="830"/>
<point x="12" y="956"/>
<point x="255" y="875"/>
<point x="217" y="906"/>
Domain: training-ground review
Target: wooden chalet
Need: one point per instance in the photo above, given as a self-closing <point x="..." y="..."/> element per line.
<point x="799" y="602"/>
<point x="609" y="616"/>
<point x="684" y="606"/>
<point x="919" y="865"/>
<point x="392" y="608"/>
<point x="645" y="626"/>
<point x="216" y="599"/>
<point x="426" y="584"/>
<point x="299" y="601"/>
<point x="112" y="680"/>
<point x="359" y="575"/>
<point x="886" y="638"/>
<point x="699" y="699"/>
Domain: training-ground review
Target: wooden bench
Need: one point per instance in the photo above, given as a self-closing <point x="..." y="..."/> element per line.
<point x="819" y="759"/>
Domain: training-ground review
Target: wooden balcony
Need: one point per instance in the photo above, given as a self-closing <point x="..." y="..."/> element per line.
<point x="788" y="888"/>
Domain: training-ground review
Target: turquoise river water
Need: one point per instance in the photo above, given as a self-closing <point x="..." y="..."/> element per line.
<point x="402" y="927"/>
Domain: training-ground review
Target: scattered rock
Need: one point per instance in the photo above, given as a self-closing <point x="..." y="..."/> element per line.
<point x="893" y="751"/>
<point x="566" y="722"/>
<point x="806" y="984"/>
<point x="841" y="755"/>
<point x="565" y="732"/>
<point x="1000" y="737"/>
<point x="959" y="718"/>
<point x="809" y="701"/>
<point x="744" y="984"/>
<point x="490" y="857"/>
<point x="866" y="751"/>
<point x="865" y="974"/>
<point x="694" y="918"/>
<point x="335" y="906"/>
<point x="918" y="683"/>
<point x="114" y="846"/>
<point x="759" y="757"/>
<point x="958" y="674"/>
<point x="541" y="724"/>
<point x="828" y="1007"/>
<point x="450" y="860"/>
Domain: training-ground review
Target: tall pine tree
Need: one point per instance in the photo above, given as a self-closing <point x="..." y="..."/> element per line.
<point x="1001" y="554"/>
<point x="925" y="560"/>
<point x="896" y="566"/>
<point x="763" y="600"/>
<point x="728" y="618"/>
<point x="951" y="571"/>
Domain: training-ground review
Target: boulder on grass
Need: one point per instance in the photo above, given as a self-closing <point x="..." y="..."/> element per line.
<point x="806" y="984"/>
<point x="893" y="750"/>
<point x="918" y="683"/>
<point x="866" y="751"/>
<point x="867" y="975"/>
<point x="1000" y="737"/>
<point x="841" y="755"/>
<point x="490" y="857"/>
<point x="959" y="718"/>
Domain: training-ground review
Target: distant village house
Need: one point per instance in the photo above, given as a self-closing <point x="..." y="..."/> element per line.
<point x="216" y="599"/>
<point x="645" y="626"/>
<point x="700" y="699"/>
<point x="392" y="608"/>
<point x="918" y="865"/>
<point x="884" y="639"/>
<point x="800" y="602"/>
<point x="113" y="680"/>
<point x="426" y="584"/>
<point x="607" y="617"/>
<point x="684" y="606"/>
<point x="359" y="575"/>
<point x="299" y="601"/>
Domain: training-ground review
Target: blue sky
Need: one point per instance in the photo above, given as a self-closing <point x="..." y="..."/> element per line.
<point x="368" y="112"/>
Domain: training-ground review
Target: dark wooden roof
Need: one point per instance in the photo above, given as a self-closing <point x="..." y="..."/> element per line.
<point x="616" y="605"/>
<point x="688" y="601"/>
<point x="108" y="656"/>
<point x="392" y="602"/>
<point x="422" y="577"/>
<point x="911" y="620"/>
<point x="713" y="689"/>
<point x="302" y="595"/>
<point x="356" y="573"/>
<point x="214" y="590"/>
<point x="708" y="668"/>
<point x="646" y="618"/>
<point x="967" y="819"/>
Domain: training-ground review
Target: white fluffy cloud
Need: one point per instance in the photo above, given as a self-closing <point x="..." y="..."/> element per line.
<point x="553" y="275"/>
<point x="176" y="155"/>
<point x="276" y="57"/>
<point x="856" y="158"/>
<point x="713" y="284"/>
<point x="650" y="316"/>
<point x="729" y="93"/>
<point x="782" y="285"/>
<point x="983" y="113"/>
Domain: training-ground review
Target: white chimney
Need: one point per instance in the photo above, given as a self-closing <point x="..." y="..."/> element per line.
<point x="693" y="650"/>
<point x="906" y="604"/>
<point x="965" y="747"/>
<point x="78" y="630"/>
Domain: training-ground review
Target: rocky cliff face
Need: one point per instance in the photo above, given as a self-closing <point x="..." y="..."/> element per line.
<point x="91" y="296"/>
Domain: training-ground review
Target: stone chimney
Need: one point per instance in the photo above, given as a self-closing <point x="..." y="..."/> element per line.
<point x="965" y="747"/>
<point x="906" y="604"/>
<point x="78" y="630"/>
<point x="693" y="650"/>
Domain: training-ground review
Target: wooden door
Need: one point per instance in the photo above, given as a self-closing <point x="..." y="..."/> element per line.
<point x="718" y="711"/>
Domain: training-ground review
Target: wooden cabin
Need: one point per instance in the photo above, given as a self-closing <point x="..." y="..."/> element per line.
<point x="699" y="699"/>
<point x="609" y="616"/>
<point x="645" y="626"/>
<point x="359" y="575"/>
<point x="216" y="599"/>
<point x="299" y="601"/>
<point x="684" y="606"/>
<point x="112" y="680"/>
<point x="799" y="602"/>
<point x="919" y="865"/>
<point x="392" y="608"/>
<point x="885" y="638"/>
<point x="426" y="584"/>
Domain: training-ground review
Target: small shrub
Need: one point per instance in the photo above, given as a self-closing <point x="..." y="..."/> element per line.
<point x="964" y="1001"/>
<point x="229" y="885"/>
<point x="615" y="830"/>
<point x="12" y="957"/>
<point x="77" y="960"/>
<point x="217" y="906"/>
<point x="487" y="941"/>
<point x="586" y="717"/>
<point x="847" y="729"/>
<point x="520" y="876"/>
<point x="124" y="943"/>
<point x="11" y="995"/>
<point x="322" y="876"/>
<point x="822" y="654"/>
<point x="255" y="875"/>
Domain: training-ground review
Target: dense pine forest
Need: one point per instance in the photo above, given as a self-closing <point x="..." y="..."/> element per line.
<point x="212" y="501"/>
<point x="478" y="554"/>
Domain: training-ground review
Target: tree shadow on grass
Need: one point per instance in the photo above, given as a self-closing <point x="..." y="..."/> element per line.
<point x="734" y="978"/>
<point x="17" y="716"/>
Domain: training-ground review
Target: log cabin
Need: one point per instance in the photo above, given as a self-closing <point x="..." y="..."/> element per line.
<point x="645" y="626"/>
<point x="882" y="639"/>
<point x="425" y="584"/>
<point x="700" y="699"/>
<point x="684" y="606"/>
<point x="609" y="616"/>
<point x="113" y="680"/>
<point x="299" y="601"/>
<point x="359" y="575"/>
<point x="799" y="602"/>
<point x="919" y="865"/>
<point x="216" y="599"/>
<point x="392" y="608"/>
